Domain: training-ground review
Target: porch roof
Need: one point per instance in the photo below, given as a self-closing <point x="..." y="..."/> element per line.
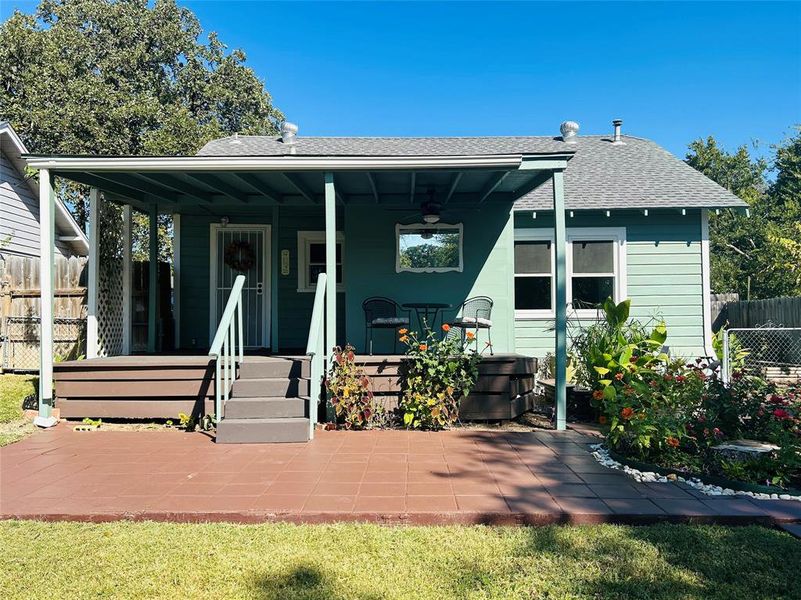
<point x="217" y="182"/>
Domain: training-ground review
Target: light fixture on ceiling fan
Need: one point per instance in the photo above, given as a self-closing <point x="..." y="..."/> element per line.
<point x="431" y="209"/>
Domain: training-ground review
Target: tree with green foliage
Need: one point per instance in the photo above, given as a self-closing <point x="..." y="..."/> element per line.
<point x="749" y="253"/>
<point x="124" y="77"/>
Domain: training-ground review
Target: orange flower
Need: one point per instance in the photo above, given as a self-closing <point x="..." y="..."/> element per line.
<point x="404" y="338"/>
<point x="627" y="412"/>
<point x="602" y="420"/>
<point x="470" y="336"/>
<point x="403" y="331"/>
<point x="446" y="328"/>
<point x="597" y="395"/>
<point x="672" y="442"/>
<point x="423" y="347"/>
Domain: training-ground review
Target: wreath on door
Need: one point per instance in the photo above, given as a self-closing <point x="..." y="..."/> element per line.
<point x="239" y="256"/>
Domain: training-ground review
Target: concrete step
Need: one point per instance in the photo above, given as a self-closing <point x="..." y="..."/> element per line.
<point x="272" y="387"/>
<point x="255" y="431"/>
<point x="262" y="408"/>
<point x="261" y="367"/>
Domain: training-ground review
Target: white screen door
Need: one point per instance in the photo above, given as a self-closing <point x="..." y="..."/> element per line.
<point x="248" y="249"/>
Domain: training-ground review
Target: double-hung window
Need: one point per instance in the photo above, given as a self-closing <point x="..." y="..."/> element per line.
<point x="596" y="270"/>
<point x="311" y="259"/>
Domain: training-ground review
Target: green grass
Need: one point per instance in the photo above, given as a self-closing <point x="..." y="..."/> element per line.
<point x="367" y="562"/>
<point x="13" y="390"/>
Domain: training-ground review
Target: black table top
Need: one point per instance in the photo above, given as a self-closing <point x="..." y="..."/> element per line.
<point x="426" y="305"/>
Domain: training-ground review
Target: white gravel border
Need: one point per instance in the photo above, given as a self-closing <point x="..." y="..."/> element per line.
<point x="601" y="454"/>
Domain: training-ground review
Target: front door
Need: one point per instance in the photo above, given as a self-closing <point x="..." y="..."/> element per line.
<point x="242" y="250"/>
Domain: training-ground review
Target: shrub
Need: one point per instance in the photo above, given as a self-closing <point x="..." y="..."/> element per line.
<point x="349" y="390"/>
<point x="437" y="373"/>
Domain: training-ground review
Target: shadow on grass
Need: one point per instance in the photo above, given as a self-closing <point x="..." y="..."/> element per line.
<point x="306" y="582"/>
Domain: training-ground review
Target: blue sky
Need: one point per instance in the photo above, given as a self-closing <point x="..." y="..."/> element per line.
<point x="674" y="72"/>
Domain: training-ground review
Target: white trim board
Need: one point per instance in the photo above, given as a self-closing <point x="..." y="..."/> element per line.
<point x="266" y="273"/>
<point x="306" y="237"/>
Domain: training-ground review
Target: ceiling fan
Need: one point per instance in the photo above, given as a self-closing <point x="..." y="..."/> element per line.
<point x="431" y="210"/>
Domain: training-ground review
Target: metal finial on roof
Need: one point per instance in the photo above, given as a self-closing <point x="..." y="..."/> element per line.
<point x="569" y="131"/>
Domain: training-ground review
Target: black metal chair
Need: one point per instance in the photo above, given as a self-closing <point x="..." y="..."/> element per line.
<point x="475" y="313"/>
<point x="382" y="313"/>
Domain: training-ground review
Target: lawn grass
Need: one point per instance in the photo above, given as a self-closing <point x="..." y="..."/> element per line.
<point x="13" y="390"/>
<point x="367" y="562"/>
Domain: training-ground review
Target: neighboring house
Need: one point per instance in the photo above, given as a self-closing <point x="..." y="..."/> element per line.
<point x="19" y="207"/>
<point x="545" y="226"/>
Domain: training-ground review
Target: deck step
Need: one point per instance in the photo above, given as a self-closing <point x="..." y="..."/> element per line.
<point x="272" y="387"/>
<point x="254" y="431"/>
<point x="260" y="367"/>
<point x="265" y="407"/>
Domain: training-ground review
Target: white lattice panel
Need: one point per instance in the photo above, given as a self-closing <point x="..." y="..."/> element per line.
<point x="110" y="284"/>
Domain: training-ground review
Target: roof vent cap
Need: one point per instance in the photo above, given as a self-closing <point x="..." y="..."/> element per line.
<point x="289" y="132"/>
<point x="235" y="139"/>
<point x="617" y="138"/>
<point x="569" y="131"/>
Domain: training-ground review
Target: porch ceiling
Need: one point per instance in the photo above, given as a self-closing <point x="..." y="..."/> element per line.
<point x="197" y="184"/>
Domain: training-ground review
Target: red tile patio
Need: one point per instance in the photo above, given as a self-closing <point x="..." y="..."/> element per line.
<point x="462" y="476"/>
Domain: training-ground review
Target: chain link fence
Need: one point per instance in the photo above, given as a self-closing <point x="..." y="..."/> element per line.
<point x="20" y="343"/>
<point x="771" y="353"/>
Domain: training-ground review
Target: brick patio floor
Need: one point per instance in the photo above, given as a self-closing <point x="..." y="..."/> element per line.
<point x="382" y="476"/>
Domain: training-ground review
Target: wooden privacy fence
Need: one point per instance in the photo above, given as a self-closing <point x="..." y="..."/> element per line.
<point x="778" y="312"/>
<point x="20" y="310"/>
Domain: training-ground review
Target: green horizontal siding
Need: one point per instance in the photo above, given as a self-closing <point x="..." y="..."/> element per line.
<point x="664" y="276"/>
<point x="294" y="308"/>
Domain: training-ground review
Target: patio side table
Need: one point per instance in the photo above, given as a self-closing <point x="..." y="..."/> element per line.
<point x="427" y="313"/>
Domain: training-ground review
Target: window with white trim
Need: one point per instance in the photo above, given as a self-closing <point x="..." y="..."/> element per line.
<point x="596" y="270"/>
<point x="311" y="259"/>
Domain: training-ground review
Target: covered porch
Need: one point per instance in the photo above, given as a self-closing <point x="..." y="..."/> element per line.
<point x="319" y="236"/>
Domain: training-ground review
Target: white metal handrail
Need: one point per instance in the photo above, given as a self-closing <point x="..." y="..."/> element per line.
<point x="224" y="347"/>
<point x="315" y="349"/>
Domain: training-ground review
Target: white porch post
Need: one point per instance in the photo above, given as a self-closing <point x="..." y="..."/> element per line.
<point x="94" y="273"/>
<point x="176" y="280"/>
<point x="47" y="227"/>
<point x="152" y="288"/>
<point x="330" y="265"/>
<point x="560" y="240"/>
<point x="126" y="280"/>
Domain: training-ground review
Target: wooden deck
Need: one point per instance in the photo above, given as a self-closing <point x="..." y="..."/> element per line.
<point x="160" y="387"/>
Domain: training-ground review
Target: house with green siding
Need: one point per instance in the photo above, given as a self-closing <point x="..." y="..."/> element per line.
<point x="280" y="243"/>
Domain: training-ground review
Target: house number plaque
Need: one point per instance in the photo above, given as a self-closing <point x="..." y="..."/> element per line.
<point x="285" y="262"/>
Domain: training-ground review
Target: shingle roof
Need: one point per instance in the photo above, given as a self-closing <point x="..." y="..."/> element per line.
<point x="635" y="174"/>
<point x="383" y="146"/>
<point x="601" y="175"/>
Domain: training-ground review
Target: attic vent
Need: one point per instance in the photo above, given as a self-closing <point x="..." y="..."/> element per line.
<point x="289" y="132"/>
<point x="235" y="139"/>
<point x="569" y="131"/>
<point x="617" y="139"/>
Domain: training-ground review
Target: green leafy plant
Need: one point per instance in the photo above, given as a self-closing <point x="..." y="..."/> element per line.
<point x="350" y="391"/>
<point x="436" y="374"/>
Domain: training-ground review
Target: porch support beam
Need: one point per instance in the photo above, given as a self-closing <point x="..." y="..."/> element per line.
<point x="176" y="185"/>
<point x="94" y="273"/>
<point x="147" y="189"/>
<point x="127" y="332"/>
<point x="153" y="279"/>
<point x="330" y="264"/>
<point x="454" y="183"/>
<point x="560" y="243"/>
<point x="492" y="185"/>
<point x="302" y="189"/>
<point x="176" y="265"/>
<point x="412" y="186"/>
<point x="259" y="186"/>
<point x="373" y="187"/>
<point x="217" y="185"/>
<point x="47" y="231"/>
